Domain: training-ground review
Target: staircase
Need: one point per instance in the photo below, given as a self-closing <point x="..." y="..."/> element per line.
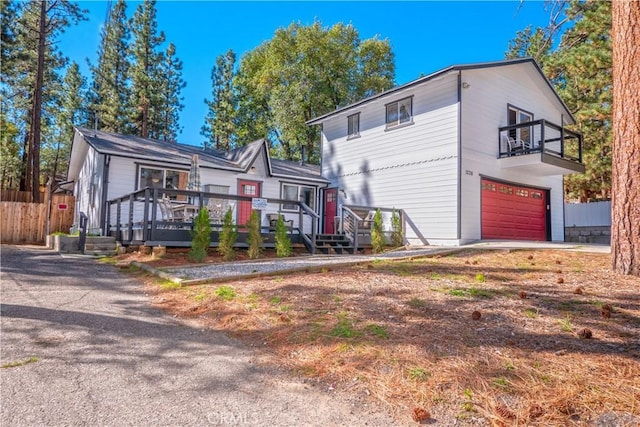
<point x="100" y="246"/>
<point x="334" y="244"/>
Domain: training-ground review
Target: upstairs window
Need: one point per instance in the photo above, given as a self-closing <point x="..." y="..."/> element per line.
<point x="399" y="112"/>
<point x="516" y="116"/>
<point x="353" y="126"/>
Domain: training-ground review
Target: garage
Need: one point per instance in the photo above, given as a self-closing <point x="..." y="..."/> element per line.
<point x="513" y="212"/>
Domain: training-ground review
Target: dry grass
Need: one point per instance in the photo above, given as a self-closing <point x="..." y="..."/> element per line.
<point x="403" y="333"/>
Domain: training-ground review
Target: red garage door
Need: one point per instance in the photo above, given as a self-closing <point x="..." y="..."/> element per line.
<point x="513" y="212"/>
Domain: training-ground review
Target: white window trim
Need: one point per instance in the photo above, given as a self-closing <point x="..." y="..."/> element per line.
<point x="357" y="133"/>
<point x="397" y="124"/>
<point x="289" y="208"/>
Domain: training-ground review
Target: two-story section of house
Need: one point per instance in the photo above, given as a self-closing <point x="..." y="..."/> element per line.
<point x="469" y="152"/>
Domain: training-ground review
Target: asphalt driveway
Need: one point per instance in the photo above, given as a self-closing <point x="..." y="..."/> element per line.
<point x="100" y="355"/>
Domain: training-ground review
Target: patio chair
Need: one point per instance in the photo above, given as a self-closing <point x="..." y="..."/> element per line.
<point x="513" y="144"/>
<point x="273" y="219"/>
<point x="216" y="210"/>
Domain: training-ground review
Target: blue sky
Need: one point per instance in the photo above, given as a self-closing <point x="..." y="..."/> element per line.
<point x="425" y="35"/>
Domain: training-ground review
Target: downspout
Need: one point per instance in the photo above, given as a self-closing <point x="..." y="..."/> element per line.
<point x="105" y="188"/>
<point x="459" y="187"/>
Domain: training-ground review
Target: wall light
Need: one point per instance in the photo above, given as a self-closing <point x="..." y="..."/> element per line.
<point x="465" y="85"/>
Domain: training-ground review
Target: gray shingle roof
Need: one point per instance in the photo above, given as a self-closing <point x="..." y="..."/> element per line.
<point x="239" y="159"/>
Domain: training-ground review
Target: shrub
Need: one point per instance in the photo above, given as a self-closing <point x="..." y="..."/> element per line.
<point x="377" y="233"/>
<point x="283" y="243"/>
<point x="397" y="238"/>
<point x="228" y="237"/>
<point x="255" y="238"/>
<point x="200" y="236"/>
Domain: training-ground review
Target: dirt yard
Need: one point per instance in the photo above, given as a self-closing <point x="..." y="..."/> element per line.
<point x="507" y="337"/>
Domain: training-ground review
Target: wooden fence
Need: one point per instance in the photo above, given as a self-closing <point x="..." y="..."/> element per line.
<point x="19" y="196"/>
<point x="26" y="223"/>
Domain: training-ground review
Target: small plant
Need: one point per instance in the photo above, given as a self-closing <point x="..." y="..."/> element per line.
<point x="344" y="328"/>
<point x="565" y="324"/>
<point x="480" y="278"/>
<point x="226" y="293"/>
<point x="531" y="313"/>
<point x="417" y="303"/>
<point x="377" y="233"/>
<point x="283" y="243"/>
<point x="200" y="236"/>
<point x="419" y="374"/>
<point x="468" y="405"/>
<point x="32" y="359"/>
<point x="255" y="238"/>
<point x="170" y="284"/>
<point x="397" y="238"/>
<point x="377" y="330"/>
<point x="500" y="383"/>
<point x="228" y="237"/>
<point x="275" y="300"/>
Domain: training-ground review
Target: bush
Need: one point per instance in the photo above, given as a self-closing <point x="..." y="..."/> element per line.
<point x="228" y="237"/>
<point x="397" y="238"/>
<point x="200" y="236"/>
<point x="283" y="243"/>
<point x="255" y="238"/>
<point x="377" y="233"/>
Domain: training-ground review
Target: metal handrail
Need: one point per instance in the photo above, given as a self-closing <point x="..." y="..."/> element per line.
<point x="82" y="240"/>
<point x="311" y="242"/>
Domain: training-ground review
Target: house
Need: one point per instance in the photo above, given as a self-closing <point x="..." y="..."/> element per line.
<point x="110" y="173"/>
<point x="469" y="152"/>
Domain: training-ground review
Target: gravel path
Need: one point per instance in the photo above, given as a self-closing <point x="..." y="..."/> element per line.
<point x="95" y="353"/>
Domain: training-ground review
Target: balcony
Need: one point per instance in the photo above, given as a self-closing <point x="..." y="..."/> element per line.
<point x="540" y="147"/>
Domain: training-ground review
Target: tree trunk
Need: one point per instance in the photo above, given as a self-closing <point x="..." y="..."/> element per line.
<point x="36" y="113"/>
<point x="625" y="210"/>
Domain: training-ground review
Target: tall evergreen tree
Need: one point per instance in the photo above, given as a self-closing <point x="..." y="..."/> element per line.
<point x="146" y="69"/>
<point x="219" y="127"/>
<point x="168" y="112"/>
<point x="71" y="111"/>
<point x="36" y="65"/>
<point x="111" y="93"/>
<point x="580" y="70"/>
<point x="625" y="232"/>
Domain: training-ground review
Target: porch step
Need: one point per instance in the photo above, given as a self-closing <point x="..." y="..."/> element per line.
<point x="100" y="246"/>
<point x="333" y="244"/>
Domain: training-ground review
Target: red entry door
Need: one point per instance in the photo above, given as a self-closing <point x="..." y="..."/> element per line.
<point x="513" y="212"/>
<point x="330" y="209"/>
<point x="246" y="188"/>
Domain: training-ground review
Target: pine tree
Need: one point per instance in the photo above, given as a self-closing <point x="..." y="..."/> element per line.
<point x="378" y="240"/>
<point x="219" y="127"/>
<point x="283" y="242"/>
<point x="146" y="69"/>
<point x="625" y="233"/>
<point x="228" y="237"/>
<point x="34" y="80"/>
<point x="580" y="70"/>
<point x="111" y="92"/>
<point x="71" y="111"/>
<point x="200" y="236"/>
<point x="168" y="113"/>
<point x="254" y="239"/>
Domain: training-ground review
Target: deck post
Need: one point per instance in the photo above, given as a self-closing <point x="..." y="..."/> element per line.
<point x="145" y="220"/>
<point x="131" y="199"/>
<point x="154" y="212"/>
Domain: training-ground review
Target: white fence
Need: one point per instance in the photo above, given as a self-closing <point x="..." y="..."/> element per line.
<point x="597" y="214"/>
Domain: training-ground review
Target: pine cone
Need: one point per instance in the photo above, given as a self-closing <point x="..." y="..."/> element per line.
<point x="579" y="290"/>
<point x="504" y="412"/>
<point x="585" y="334"/>
<point x="476" y="315"/>
<point x="523" y="294"/>
<point x="606" y="311"/>
<point x="560" y="280"/>
<point x="420" y="414"/>
<point x="535" y="411"/>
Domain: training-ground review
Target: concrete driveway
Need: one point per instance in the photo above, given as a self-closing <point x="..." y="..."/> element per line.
<point x="100" y="355"/>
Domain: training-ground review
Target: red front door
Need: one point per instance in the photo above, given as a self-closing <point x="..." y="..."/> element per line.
<point x="246" y="188"/>
<point x="513" y="212"/>
<point x="330" y="209"/>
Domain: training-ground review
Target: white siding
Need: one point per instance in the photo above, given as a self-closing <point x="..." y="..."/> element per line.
<point x="412" y="168"/>
<point x="484" y="110"/>
<point x="88" y="190"/>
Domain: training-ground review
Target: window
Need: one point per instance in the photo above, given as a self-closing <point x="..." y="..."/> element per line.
<point x="353" y="126"/>
<point x="517" y="116"/>
<point x="300" y="193"/>
<point x="163" y="178"/>
<point x="399" y="112"/>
